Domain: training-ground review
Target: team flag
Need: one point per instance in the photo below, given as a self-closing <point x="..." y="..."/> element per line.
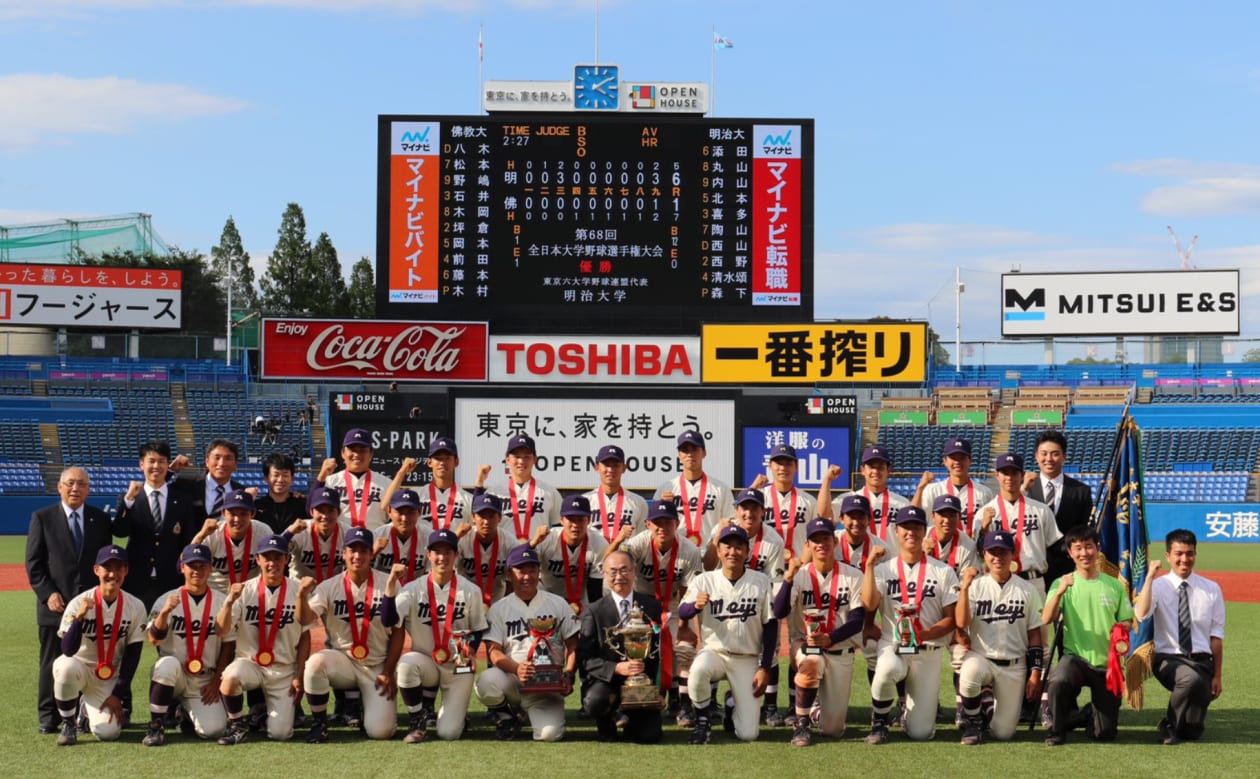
<point x="722" y="43"/>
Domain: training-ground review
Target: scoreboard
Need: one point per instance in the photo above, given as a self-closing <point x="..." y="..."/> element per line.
<point x="610" y="222"/>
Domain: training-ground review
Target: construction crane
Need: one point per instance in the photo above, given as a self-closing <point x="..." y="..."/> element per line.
<point x="1184" y="255"/>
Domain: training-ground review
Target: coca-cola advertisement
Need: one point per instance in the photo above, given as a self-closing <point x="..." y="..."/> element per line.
<point x="374" y="349"/>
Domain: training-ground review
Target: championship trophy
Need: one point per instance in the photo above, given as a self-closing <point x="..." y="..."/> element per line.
<point x="635" y="634"/>
<point x="460" y="656"/>
<point x="814" y="619"/>
<point x="907" y="636"/>
<point x="548" y="674"/>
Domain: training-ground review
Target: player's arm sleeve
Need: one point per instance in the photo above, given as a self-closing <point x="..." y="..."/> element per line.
<point x="782" y="605"/>
<point x="389" y="611"/>
<point x="769" y="643"/>
<point x="127" y="670"/>
<point x="687" y="608"/>
<point x="851" y="627"/>
<point x="71" y="636"/>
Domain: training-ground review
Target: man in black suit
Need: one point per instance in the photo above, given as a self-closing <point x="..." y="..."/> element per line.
<point x="61" y="547"/>
<point x="207" y="490"/>
<point x="159" y="522"/>
<point x="1069" y="499"/>
<point x="603" y="665"/>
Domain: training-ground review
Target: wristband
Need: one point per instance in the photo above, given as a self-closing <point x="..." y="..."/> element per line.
<point x="1034" y="657"/>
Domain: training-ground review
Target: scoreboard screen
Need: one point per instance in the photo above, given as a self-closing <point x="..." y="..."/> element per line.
<point x="625" y="224"/>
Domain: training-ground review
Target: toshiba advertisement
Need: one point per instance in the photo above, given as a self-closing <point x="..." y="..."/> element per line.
<point x="374" y="349"/>
<point x="594" y="359"/>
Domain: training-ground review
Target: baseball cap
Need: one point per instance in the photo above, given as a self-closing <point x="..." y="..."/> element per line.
<point x="611" y="452"/>
<point x="876" y="452"/>
<point x="324" y="496"/>
<point x="732" y="532"/>
<point x="999" y="539"/>
<point x="946" y="503"/>
<point x="907" y="515"/>
<point x="1009" y="460"/>
<point x="359" y="535"/>
<point x="756" y="496"/>
<point x="195" y="553"/>
<point x="575" y="506"/>
<point x="443" y="537"/>
<point x="956" y="446"/>
<point x="691" y="437"/>
<point x="784" y="451"/>
<point x="819" y="525"/>
<point x="662" y="509"/>
<point x="522" y="555"/>
<point x="402" y="498"/>
<point x="487" y="502"/>
<point x="854" y="502"/>
<point x="272" y="543"/>
<point x="111" y="552"/>
<point x="357" y="436"/>
<point x="238" y="499"/>
<point x="443" y="444"/>
<point x="521" y="441"/>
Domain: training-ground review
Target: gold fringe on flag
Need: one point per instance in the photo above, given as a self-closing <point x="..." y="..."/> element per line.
<point x="1137" y="669"/>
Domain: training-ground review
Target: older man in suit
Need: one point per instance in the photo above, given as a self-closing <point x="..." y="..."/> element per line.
<point x="605" y="667"/>
<point x="61" y="547"/>
<point x="1069" y="499"/>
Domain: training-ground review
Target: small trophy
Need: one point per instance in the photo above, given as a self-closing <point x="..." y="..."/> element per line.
<point x="460" y="655"/>
<point x="638" y="692"/>
<point x="548" y="675"/>
<point x="814" y="619"/>
<point x="907" y="636"/>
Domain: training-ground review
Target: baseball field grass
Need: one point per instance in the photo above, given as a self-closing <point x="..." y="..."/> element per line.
<point x="1229" y="747"/>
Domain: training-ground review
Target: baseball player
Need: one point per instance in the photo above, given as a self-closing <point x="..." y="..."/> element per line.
<point x="512" y="641"/>
<point x="402" y="540"/>
<point x="101" y="633"/>
<point x="1000" y="616"/>
<point x="703" y="501"/>
<point x="971" y="494"/>
<point x="665" y="564"/>
<point x="738" y="633"/>
<point x="232" y="540"/>
<point x="529" y="502"/>
<point x="271" y="616"/>
<point x="790" y="509"/>
<point x="363" y="645"/>
<point x="875" y="469"/>
<point x="443" y="505"/>
<point x="614" y="506"/>
<point x="359" y="486"/>
<point x="191" y="654"/>
<point x="914" y="595"/>
<point x="825" y="595"/>
<point x="483" y="552"/>
<point x="446" y="617"/>
<point x="945" y="539"/>
<point x="315" y="543"/>
<point x="570" y="556"/>
<point x="854" y="543"/>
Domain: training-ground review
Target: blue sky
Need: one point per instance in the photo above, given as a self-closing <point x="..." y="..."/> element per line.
<point x="971" y="133"/>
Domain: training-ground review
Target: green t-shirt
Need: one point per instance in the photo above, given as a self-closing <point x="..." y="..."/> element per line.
<point x="1090" y="607"/>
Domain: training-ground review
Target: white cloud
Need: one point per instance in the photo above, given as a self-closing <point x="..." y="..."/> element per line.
<point x="42" y="108"/>
<point x="1205" y="189"/>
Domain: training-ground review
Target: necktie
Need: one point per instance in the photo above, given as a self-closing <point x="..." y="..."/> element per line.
<point x="218" y="501"/>
<point x="155" y="508"/>
<point x="1050" y="494"/>
<point x="76" y="530"/>
<point x="1183" y="618"/>
<point x="625" y="609"/>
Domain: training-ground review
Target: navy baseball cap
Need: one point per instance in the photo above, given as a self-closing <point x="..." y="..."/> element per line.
<point x="404" y="498"/>
<point x="324" y="496"/>
<point x="999" y="539"/>
<point x="359" y="535"/>
<point x="957" y="446"/>
<point x="756" y="496"/>
<point x="1009" y="460"/>
<point x="783" y="451"/>
<point x="195" y="553"/>
<point x="521" y="441"/>
<point x="908" y="515"/>
<point x="111" y="552"/>
<point x="946" y="503"/>
<point x="876" y="452"/>
<point x="732" y="532"/>
<point x="438" y="537"/>
<point x="819" y="525"/>
<point x="487" y="502"/>
<point x="443" y="444"/>
<point x="522" y="555"/>
<point x="662" y="509"/>
<point x="357" y="436"/>
<point x="610" y="452"/>
<point x="272" y="543"/>
<point x="576" y="506"/>
<point x="238" y="499"/>
<point x="691" y="437"/>
<point x="854" y="502"/>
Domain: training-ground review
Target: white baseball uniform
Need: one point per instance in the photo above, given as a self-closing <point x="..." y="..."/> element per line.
<point x="857" y="556"/>
<point x="610" y="512"/>
<point x="76" y="674"/>
<point x="411" y="551"/>
<point x="566" y="569"/>
<point x="303" y="561"/>
<point x="444" y="509"/>
<point x="484" y="564"/>
<point x="835" y="593"/>
<point x="243" y="566"/>
<point x="361" y="497"/>
<point x="1001" y="616"/>
<point x="653" y="580"/>
<point x="209" y="721"/>
<point x="883" y="506"/>
<point x="765" y="552"/>
<point x="697" y="519"/>
<point x="527" y="507"/>
<point x="959" y="553"/>
<point x="973" y="496"/>
<point x="1039" y="531"/>
<point x="788" y="513"/>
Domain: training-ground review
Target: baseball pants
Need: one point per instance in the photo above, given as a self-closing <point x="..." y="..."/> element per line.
<point x="546" y="712"/>
<point x="332" y="668"/>
<point x="832" y="674"/>
<point x="72" y="677"/>
<point x="710" y="667"/>
<point x="922" y="675"/>
<point x="209" y="720"/>
<point x="276" y="682"/>
<point x="416" y="669"/>
<point x="979" y="671"/>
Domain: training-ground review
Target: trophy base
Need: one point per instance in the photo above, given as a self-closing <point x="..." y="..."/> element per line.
<point x="907" y="649"/>
<point x="640" y="696"/>
<point x="547" y="679"/>
<point x="811" y="650"/>
<point x="462" y="669"/>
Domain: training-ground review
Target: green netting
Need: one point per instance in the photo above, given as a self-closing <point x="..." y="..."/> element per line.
<point x="57" y="241"/>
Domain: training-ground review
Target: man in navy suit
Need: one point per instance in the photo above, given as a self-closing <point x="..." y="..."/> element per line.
<point x="159" y="522"/>
<point x="1069" y="499"/>
<point x="604" y="667"/>
<point x="208" y="490"/>
<point x="61" y="547"/>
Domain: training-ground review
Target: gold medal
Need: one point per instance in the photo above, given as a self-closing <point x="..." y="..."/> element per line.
<point x="694" y="538"/>
<point x="787" y="553"/>
<point x="194" y="666"/>
<point x="104" y="672"/>
<point x="1014" y="566"/>
<point x="577" y="607"/>
<point x="359" y="652"/>
<point x="264" y="659"/>
<point x="441" y="655"/>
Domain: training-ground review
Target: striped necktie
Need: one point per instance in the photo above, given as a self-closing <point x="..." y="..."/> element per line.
<point x="1183" y="619"/>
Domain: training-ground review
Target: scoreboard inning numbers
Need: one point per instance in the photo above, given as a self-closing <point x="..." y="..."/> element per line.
<point x="635" y="224"/>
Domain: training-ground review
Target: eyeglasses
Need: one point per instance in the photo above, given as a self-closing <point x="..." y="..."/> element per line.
<point x="75" y="483"/>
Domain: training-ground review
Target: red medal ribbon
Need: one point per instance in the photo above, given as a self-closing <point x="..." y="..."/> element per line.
<point x="266" y="643"/>
<point x="1018" y="532"/>
<point x="936" y="549"/>
<point x="573" y="590"/>
<point x="883" y="514"/>
<point x="611" y="523"/>
<point x="442" y="635"/>
<point x="105" y="651"/>
<point x="487" y="583"/>
<point x="522" y="529"/>
<point x="358" y="637"/>
<point x="917" y="603"/>
<point x="411" y="553"/>
<point x="195" y="649"/>
<point x="450" y="507"/>
<point x="778" y="520"/>
<point x="665" y="596"/>
<point x="755" y="557"/>
<point x="231" y="557"/>
<point x="359" y="519"/>
<point x="830" y="624"/>
<point x="333" y="543"/>
<point x="693" y="527"/>
<point x="970" y="516"/>
<point x="848" y="553"/>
